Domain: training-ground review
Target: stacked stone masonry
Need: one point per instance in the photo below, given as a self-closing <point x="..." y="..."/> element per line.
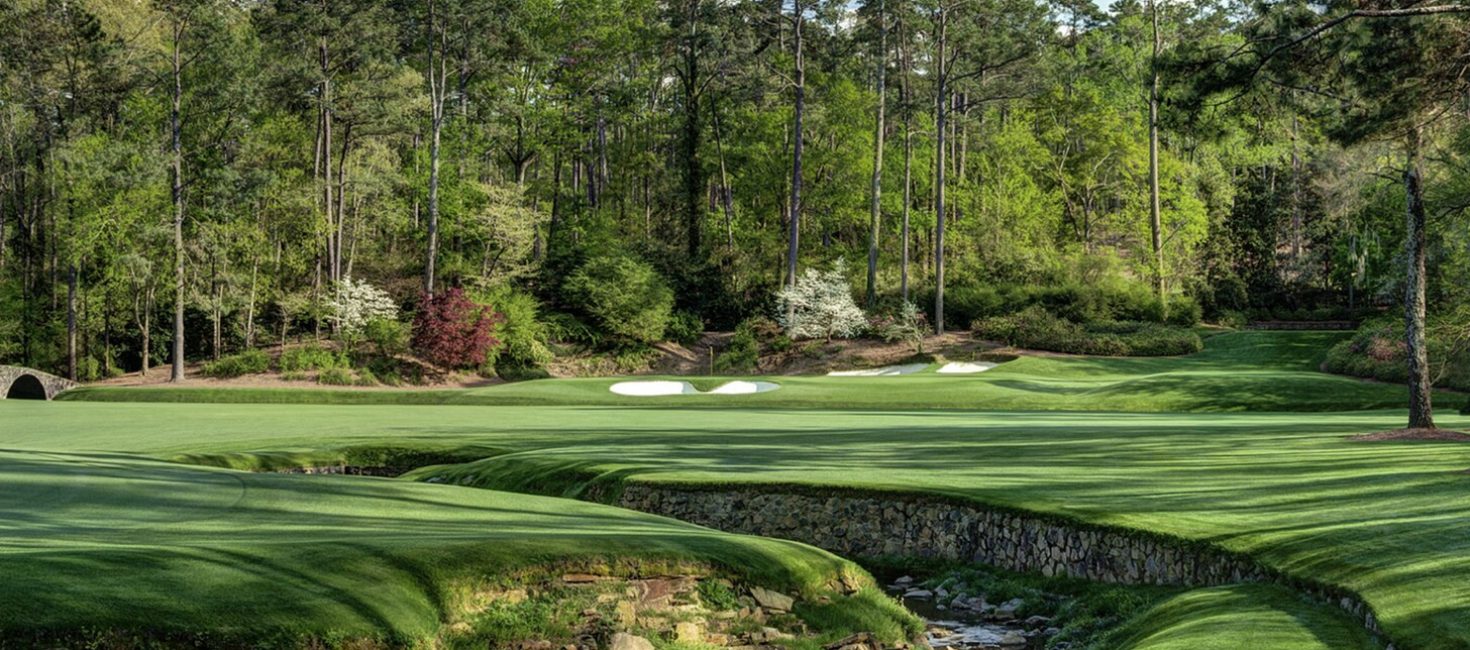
<point x="871" y="525"/>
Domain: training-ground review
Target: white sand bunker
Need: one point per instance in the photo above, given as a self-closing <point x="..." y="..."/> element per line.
<point x="659" y="388"/>
<point x="885" y="371"/>
<point x="965" y="368"/>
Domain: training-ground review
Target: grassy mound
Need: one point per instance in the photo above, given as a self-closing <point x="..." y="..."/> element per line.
<point x="1242" y="616"/>
<point x="103" y="547"/>
<point x="1242" y="371"/>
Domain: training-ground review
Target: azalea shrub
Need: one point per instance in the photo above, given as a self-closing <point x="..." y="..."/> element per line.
<point x="452" y="331"/>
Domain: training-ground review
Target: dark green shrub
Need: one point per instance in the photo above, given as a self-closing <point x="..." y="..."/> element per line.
<point x="249" y="362"/>
<point x="365" y="377"/>
<point x="311" y="357"/>
<point x="335" y="377"/>
<point x="625" y="297"/>
<point x="523" y="334"/>
<point x="684" y="327"/>
<point x="1184" y="312"/>
<point x="1378" y="351"/>
<point x="742" y="354"/>
<point x="388" y="337"/>
<point x="1038" y="329"/>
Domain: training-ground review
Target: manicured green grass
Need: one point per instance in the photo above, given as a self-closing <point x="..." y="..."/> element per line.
<point x="1231" y="618"/>
<point x="94" y="540"/>
<point x="1389" y="521"/>
<point x="1242" y="371"/>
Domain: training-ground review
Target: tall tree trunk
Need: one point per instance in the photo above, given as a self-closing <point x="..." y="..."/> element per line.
<point x="793" y="236"/>
<point x="437" y="79"/>
<point x="1155" y="222"/>
<point x="727" y="198"/>
<point x="694" y="182"/>
<point x="145" y="324"/>
<point x="71" y="322"/>
<point x="941" y="104"/>
<point x="1421" y="408"/>
<point x="877" y="187"/>
<point x="177" y="193"/>
<point x="250" y="306"/>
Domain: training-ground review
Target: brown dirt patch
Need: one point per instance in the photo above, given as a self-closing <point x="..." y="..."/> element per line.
<point x="1440" y="435"/>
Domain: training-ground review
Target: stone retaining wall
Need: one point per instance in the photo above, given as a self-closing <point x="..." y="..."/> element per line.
<point x="873" y="525"/>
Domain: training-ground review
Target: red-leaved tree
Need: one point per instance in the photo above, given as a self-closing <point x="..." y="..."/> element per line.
<point x="452" y="331"/>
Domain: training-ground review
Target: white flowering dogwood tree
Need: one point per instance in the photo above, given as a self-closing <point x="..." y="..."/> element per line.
<point x="358" y="303"/>
<point x="820" y="306"/>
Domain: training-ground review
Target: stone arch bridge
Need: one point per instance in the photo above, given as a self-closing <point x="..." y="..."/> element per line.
<point x="23" y="383"/>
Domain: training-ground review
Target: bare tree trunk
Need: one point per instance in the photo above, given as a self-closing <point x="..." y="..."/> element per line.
<point x="793" y="237"/>
<point x="877" y="187"/>
<point x="1155" y="222"/>
<point x="941" y="103"/>
<point x="1421" y="407"/>
<point x="726" y="194"/>
<point x="250" y="306"/>
<point x="437" y="79"/>
<point x="177" y="192"/>
<point x="71" y="322"/>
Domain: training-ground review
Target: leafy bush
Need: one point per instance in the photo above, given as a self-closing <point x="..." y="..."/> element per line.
<point x="820" y="306"/>
<point x="1077" y="302"/>
<point x="743" y="352"/>
<point x="311" y="357"/>
<point x="1378" y="351"/>
<point x="1184" y="312"/>
<point x="1039" y="329"/>
<point x="522" y="333"/>
<point x="365" y="377"/>
<point x="684" y="327"/>
<point x="453" y="332"/>
<point x="335" y="377"/>
<point x="906" y="324"/>
<point x="388" y="336"/>
<point x="249" y="362"/>
<point x="625" y="297"/>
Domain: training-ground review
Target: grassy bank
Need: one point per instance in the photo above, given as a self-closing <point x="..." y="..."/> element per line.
<point x="92" y="543"/>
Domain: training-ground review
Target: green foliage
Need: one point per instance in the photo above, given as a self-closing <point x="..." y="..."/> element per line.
<point x="249" y="362"/>
<point x="685" y="327"/>
<point x="906" y="323"/>
<point x="1378" y="351"/>
<point x="1038" y="329"/>
<point x="717" y="596"/>
<point x="523" y="335"/>
<point x="340" y="376"/>
<point x="388" y="337"/>
<point x="625" y="297"/>
<point x="311" y="357"/>
<point x="742" y="354"/>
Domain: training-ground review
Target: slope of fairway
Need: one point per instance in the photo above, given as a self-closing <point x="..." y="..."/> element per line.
<point x="1236" y="617"/>
<point x="91" y="541"/>
<point x="1241" y="371"/>
<point x="1389" y="521"/>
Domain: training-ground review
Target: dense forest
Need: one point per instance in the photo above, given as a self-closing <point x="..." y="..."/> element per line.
<point x="187" y="179"/>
